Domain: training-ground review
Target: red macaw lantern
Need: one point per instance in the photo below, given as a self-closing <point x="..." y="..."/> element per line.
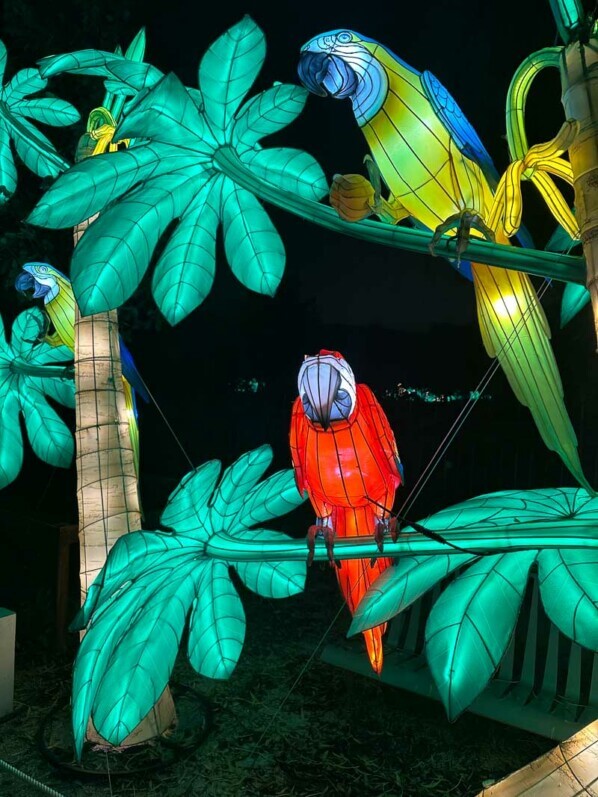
<point x="345" y="457"/>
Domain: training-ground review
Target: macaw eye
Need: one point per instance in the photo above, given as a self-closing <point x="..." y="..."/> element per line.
<point x="43" y="269"/>
<point x="344" y="37"/>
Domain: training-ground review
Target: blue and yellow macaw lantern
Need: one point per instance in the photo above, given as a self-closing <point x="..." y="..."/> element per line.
<point x="441" y="177"/>
<point x="428" y="154"/>
<point x="56" y="290"/>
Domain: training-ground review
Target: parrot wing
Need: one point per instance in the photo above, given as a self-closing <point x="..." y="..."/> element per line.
<point x="465" y="137"/>
<point x="460" y="129"/>
<point x="378" y="423"/>
<point x="131" y="406"/>
<point x="61" y="311"/>
<point x="130" y="372"/>
<point x="297" y="442"/>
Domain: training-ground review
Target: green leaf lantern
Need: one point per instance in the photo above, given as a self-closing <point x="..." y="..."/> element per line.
<point x="170" y="174"/>
<point x="137" y="608"/>
<point x="18" y="112"/>
<point x="31" y="371"/>
<point x="471" y="623"/>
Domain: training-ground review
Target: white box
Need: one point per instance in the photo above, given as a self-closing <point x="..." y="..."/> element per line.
<point x="8" y="623"/>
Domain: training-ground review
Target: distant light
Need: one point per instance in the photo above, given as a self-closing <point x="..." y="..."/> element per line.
<point x="251" y="385"/>
<point x="428" y="397"/>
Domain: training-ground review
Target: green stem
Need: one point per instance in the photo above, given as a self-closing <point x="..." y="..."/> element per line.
<point x="569" y="17"/>
<point x="543" y="264"/>
<point x="46" y="371"/>
<point x="503" y="539"/>
<point x="517" y="97"/>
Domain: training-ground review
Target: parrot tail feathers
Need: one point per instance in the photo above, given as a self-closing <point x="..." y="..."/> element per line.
<point x="514" y="329"/>
<point x="131" y="409"/>
<point x="357" y="575"/>
<point x="373" y="643"/>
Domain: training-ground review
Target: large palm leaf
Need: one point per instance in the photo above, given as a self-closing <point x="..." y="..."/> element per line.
<point x="31" y="371"/>
<point x="169" y="174"/>
<point x="136" y="610"/>
<point x="471" y="623"/>
<point x="18" y="111"/>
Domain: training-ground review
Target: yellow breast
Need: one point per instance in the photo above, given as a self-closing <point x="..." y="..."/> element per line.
<point x="419" y="161"/>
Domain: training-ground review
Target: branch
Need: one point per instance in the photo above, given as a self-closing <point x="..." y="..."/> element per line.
<point x="45" y="371"/>
<point x="557" y="533"/>
<point x="543" y="264"/>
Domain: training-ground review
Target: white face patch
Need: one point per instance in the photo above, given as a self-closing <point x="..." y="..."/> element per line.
<point x="312" y="371"/>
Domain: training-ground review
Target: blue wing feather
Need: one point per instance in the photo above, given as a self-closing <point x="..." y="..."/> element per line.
<point x="465" y="136"/>
<point x="130" y="372"/>
<point x="459" y="128"/>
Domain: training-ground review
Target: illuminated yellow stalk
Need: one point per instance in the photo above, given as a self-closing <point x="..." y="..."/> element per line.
<point x="538" y="163"/>
<point x="517" y="97"/>
<point x="578" y="66"/>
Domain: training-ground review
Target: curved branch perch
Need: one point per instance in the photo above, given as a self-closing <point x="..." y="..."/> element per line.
<point x="543" y="264"/>
<point x="515" y="537"/>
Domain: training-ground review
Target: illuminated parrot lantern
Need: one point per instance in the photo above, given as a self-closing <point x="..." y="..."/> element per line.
<point x="441" y="177"/>
<point x="345" y="457"/>
<point x="59" y="303"/>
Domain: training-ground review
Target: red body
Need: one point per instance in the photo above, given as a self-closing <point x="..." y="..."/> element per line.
<point x="350" y="472"/>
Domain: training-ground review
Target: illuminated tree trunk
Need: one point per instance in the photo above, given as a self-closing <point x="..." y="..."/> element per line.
<point x="107" y="494"/>
<point x="579" y="80"/>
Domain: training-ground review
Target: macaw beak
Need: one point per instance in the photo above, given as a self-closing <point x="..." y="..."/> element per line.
<point x="319" y="389"/>
<point x="25" y="282"/>
<point x="41" y="290"/>
<point x="326" y="74"/>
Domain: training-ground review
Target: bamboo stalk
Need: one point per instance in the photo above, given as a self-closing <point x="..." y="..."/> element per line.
<point x="106" y="479"/>
<point x="579" y="81"/>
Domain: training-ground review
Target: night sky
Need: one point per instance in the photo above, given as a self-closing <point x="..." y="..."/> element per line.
<point x="396" y="316"/>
